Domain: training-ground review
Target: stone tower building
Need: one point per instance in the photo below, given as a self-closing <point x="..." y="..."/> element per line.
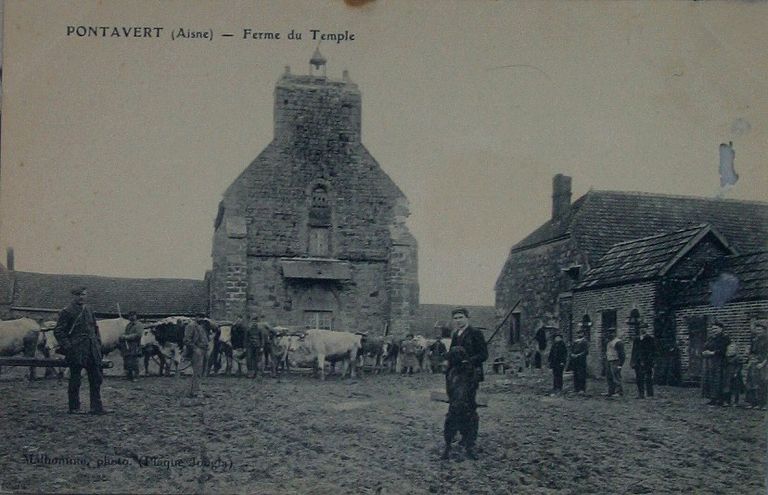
<point x="312" y="232"/>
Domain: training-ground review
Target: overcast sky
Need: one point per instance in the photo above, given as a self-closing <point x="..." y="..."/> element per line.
<point x="116" y="152"/>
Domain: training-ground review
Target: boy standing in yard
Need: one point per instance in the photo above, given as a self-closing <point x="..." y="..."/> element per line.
<point x="462" y="409"/>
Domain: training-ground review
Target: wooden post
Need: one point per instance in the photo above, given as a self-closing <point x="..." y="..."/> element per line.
<point x="498" y="327"/>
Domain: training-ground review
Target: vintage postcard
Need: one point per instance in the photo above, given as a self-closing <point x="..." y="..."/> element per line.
<point x="383" y="247"/>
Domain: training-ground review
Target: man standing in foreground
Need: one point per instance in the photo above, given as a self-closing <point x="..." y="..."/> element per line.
<point x="78" y="337"/>
<point x="196" y="342"/>
<point x="473" y="343"/>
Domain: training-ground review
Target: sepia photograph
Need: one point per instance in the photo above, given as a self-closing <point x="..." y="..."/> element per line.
<point x="383" y="247"/>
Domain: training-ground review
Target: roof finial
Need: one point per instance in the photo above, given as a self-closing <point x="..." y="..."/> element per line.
<point x="318" y="61"/>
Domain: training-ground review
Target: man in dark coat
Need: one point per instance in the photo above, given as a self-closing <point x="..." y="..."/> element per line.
<point x="472" y="341"/>
<point x="579" y="351"/>
<point x="714" y="354"/>
<point x="79" y="340"/>
<point x="558" y="355"/>
<point x="642" y="360"/>
<point x="462" y="409"/>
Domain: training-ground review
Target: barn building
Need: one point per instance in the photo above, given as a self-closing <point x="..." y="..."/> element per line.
<point x="313" y="232"/>
<point x="43" y="295"/>
<point x="565" y="275"/>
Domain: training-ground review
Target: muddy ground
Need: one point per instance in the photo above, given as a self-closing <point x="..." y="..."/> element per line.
<point x="378" y="435"/>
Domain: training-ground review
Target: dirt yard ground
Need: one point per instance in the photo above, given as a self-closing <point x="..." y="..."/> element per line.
<point x="378" y="435"/>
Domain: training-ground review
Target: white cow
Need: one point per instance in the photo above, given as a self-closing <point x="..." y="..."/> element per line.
<point x="15" y="333"/>
<point x="283" y="347"/>
<point x="17" y="336"/>
<point x="110" y="332"/>
<point x="321" y="345"/>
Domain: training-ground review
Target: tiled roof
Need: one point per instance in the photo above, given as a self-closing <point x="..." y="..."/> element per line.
<point x="430" y="315"/>
<point x="601" y="219"/>
<point x="146" y="296"/>
<point x="748" y="271"/>
<point x="645" y="258"/>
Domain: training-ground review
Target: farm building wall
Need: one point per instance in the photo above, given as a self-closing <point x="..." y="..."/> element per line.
<point x="621" y="299"/>
<point x="534" y="277"/>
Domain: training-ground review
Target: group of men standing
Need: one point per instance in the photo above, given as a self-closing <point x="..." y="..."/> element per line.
<point x="644" y="352"/>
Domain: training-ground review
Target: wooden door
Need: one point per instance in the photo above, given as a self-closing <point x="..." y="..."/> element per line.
<point x="697" y="335"/>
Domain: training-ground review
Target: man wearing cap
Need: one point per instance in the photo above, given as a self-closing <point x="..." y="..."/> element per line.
<point x="642" y="360"/>
<point x="714" y="354"/>
<point x="473" y="342"/>
<point x="79" y="340"/>
<point x="129" y="346"/>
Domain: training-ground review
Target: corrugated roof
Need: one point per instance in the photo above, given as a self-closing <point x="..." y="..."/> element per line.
<point x="750" y="272"/>
<point x="146" y="296"/>
<point x="645" y="258"/>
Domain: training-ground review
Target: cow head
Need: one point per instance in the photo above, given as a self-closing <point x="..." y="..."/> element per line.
<point x="47" y="343"/>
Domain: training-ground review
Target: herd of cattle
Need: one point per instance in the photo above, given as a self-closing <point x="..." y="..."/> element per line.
<point x="286" y="347"/>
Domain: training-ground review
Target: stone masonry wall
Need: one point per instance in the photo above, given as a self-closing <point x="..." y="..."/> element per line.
<point x="535" y="277"/>
<point x="359" y="304"/>
<point x="316" y="143"/>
